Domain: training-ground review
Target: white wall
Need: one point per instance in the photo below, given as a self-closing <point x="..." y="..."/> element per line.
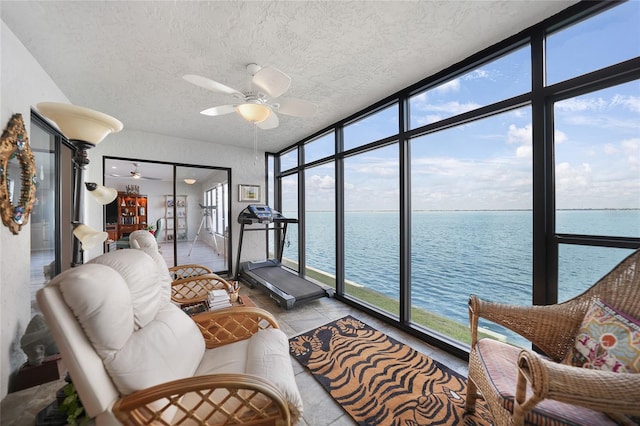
<point x="23" y="84"/>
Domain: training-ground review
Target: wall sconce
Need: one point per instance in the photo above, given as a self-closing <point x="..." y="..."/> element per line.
<point x="189" y="181"/>
<point x="85" y="128"/>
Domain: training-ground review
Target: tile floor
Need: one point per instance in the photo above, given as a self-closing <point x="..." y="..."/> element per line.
<point x="320" y="409"/>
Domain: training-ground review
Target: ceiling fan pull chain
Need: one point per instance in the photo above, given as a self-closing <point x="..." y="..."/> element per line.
<point x="255" y="143"/>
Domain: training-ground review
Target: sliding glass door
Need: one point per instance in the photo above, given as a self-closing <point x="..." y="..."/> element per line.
<point x="186" y="207"/>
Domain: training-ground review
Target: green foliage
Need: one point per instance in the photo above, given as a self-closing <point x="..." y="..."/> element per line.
<point x="430" y="320"/>
<point x="72" y="406"/>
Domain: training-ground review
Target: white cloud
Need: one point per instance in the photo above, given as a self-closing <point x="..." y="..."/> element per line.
<point x="452" y="108"/>
<point x="320" y="183"/>
<point x="632" y="103"/>
<point x="571" y="178"/>
<point x="519" y="135"/>
<point x="449" y="86"/>
<point x="524" y="151"/>
<point x="422" y="97"/>
<point x="582" y="104"/>
<point x="559" y="136"/>
<point x="476" y="74"/>
<point x="610" y="149"/>
<point x="631" y="148"/>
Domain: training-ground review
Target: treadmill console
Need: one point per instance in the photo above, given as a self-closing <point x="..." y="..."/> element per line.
<point x="259" y="214"/>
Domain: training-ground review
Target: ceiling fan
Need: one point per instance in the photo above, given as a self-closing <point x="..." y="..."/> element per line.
<point x="135" y="174"/>
<point x="257" y="105"/>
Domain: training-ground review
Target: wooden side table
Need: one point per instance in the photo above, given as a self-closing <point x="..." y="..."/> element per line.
<point x="243" y="300"/>
<point x="50" y="370"/>
<point x="110" y="246"/>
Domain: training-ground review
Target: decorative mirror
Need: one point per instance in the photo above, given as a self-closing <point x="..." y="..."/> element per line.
<point x="17" y="175"/>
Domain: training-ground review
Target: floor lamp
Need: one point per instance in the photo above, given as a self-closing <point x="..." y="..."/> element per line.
<point x="84" y="128"/>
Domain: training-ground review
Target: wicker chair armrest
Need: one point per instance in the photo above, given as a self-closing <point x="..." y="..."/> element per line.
<point x="605" y="391"/>
<point x="196" y="288"/>
<point x="549" y="327"/>
<point x="239" y="399"/>
<point x="233" y="324"/>
<point x="188" y="270"/>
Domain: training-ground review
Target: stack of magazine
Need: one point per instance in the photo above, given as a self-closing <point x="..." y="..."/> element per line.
<point x="218" y="299"/>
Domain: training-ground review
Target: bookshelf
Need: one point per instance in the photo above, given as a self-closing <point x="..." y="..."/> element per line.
<point x="177" y="222"/>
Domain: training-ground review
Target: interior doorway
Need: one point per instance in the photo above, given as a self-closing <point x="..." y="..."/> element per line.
<point x="186" y="207"/>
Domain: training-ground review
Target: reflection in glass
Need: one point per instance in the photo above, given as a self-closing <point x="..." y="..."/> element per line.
<point x="202" y="221"/>
<point x="190" y="226"/>
<point x="597" y="167"/>
<point x="471" y="222"/>
<point x="42" y="219"/>
<point x="371" y="228"/>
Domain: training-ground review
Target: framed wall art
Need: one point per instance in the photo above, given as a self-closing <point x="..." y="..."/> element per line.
<point x="248" y="193"/>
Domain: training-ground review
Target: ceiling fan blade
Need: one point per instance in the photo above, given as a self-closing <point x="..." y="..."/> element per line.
<point x="212" y="85"/>
<point x="271" y="81"/>
<point x="219" y="110"/>
<point x="297" y="107"/>
<point x="150" y="178"/>
<point x="270" y="123"/>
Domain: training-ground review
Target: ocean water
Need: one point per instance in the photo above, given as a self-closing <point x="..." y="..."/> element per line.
<point x="458" y="253"/>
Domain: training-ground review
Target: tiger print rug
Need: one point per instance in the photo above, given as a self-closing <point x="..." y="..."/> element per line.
<point x="380" y="381"/>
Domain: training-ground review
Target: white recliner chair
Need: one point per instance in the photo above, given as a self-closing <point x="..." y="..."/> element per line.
<point x="136" y="358"/>
<point x="190" y="283"/>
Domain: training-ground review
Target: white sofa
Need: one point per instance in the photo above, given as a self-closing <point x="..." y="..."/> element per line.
<point x="120" y="335"/>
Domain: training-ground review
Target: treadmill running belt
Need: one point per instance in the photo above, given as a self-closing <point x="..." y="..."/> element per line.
<point x="289" y="283"/>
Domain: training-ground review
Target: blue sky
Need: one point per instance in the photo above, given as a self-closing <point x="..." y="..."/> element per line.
<point x="487" y="164"/>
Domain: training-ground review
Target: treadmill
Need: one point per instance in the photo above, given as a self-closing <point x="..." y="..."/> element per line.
<point x="282" y="284"/>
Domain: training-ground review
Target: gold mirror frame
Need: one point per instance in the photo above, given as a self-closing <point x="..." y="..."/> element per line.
<point x="15" y="145"/>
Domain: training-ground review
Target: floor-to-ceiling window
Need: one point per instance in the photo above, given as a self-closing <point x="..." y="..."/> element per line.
<point x="471" y="219"/>
<point x="320" y="211"/>
<point x="371" y="227"/>
<point x="596" y="145"/>
<point x="289" y="208"/>
<point x="514" y="174"/>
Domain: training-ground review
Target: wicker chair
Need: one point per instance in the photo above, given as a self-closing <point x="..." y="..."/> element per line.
<point x="195" y="289"/>
<point x="540" y="389"/>
<point x="191" y="283"/>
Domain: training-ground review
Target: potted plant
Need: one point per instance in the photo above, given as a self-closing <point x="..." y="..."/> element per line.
<point x="151" y="229"/>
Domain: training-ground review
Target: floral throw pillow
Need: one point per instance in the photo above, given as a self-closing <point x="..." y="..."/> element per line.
<point x="607" y="340"/>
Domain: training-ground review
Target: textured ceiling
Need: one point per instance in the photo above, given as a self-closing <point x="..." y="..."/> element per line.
<point x="127" y="58"/>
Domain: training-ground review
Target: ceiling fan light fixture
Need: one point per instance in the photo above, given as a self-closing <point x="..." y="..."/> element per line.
<point x="254" y="112"/>
<point x="189" y="181"/>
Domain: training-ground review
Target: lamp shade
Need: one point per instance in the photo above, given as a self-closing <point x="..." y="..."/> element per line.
<point x="189" y="181"/>
<point x="102" y="194"/>
<point x="254" y="112"/>
<point x="89" y="237"/>
<point x="79" y="123"/>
